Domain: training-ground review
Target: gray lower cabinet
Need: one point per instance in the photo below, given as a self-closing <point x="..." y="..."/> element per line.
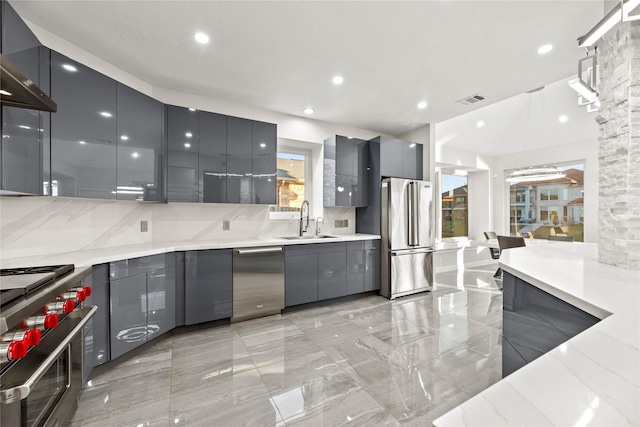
<point x="371" y="265"/>
<point x="535" y="322"/>
<point x="320" y="271"/>
<point x="142" y="301"/>
<point x="96" y="337"/>
<point x="208" y="285"/>
<point x="332" y="274"/>
<point x="300" y="278"/>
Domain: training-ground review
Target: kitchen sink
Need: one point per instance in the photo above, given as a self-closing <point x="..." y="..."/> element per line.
<point x="322" y="236"/>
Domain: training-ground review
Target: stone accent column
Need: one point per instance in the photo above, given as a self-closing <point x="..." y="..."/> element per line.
<point x="619" y="147"/>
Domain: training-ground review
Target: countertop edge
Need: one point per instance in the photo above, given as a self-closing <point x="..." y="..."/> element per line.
<point x="89" y="257"/>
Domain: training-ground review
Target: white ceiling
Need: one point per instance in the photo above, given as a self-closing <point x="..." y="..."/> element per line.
<point x="521" y="123"/>
<point x="281" y="56"/>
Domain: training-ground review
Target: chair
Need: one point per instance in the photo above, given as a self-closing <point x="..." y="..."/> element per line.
<point x="495" y="252"/>
<point x="508" y="242"/>
<point x="561" y="238"/>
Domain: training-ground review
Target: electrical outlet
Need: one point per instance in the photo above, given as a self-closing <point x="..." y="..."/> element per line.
<point x="345" y="223"/>
<point x="144" y="226"/>
<point x="341" y="223"/>
<point x="226" y="225"/>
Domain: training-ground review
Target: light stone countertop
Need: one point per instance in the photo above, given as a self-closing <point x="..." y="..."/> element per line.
<point x="591" y="379"/>
<point x="91" y="257"/>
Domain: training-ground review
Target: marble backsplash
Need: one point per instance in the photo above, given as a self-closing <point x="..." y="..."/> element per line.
<point x="44" y="225"/>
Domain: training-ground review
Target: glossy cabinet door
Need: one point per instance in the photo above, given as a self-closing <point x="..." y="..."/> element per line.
<point x="138" y="146"/>
<point x="83" y="131"/>
<point x="356" y="266"/>
<point x="300" y="279"/>
<point x="372" y="265"/>
<point x="239" y="160"/>
<point x="264" y="169"/>
<point x="345" y="172"/>
<point x="400" y="159"/>
<point x="182" y="154"/>
<point x="128" y="315"/>
<point x="208" y="285"/>
<point x="99" y="282"/>
<point x="332" y="275"/>
<point x="412" y="160"/>
<point x="212" y="157"/>
<point x="161" y="297"/>
<point x="23" y="137"/>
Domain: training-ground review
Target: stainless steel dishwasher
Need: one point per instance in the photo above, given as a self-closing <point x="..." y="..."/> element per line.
<point x="258" y="282"/>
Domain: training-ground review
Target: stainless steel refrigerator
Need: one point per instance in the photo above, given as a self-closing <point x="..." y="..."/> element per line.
<point x="407" y="237"/>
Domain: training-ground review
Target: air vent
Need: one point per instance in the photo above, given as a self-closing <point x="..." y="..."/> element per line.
<point x="470" y="99"/>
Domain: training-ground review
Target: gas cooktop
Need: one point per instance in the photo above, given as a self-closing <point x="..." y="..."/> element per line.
<point x="17" y="282"/>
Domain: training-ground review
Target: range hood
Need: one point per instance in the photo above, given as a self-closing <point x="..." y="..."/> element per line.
<point x="17" y="90"/>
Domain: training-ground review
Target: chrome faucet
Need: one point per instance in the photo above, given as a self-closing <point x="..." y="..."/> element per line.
<point x="319" y="221"/>
<point x="303" y="228"/>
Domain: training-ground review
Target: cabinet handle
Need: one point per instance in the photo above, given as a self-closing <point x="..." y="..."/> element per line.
<point x="274" y="249"/>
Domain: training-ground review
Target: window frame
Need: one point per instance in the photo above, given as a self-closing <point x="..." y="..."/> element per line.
<point x="308" y="187"/>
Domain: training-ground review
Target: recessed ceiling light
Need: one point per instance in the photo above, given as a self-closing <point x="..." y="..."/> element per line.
<point x="69" y="67"/>
<point x="202" y="38"/>
<point x="422" y="105"/>
<point x="82" y="142"/>
<point x="135" y="155"/>
<point x="124" y="138"/>
<point x="337" y="80"/>
<point x="480" y="124"/>
<point x="187" y="145"/>
<point x="106" y="114"/>
<point x="5" y="93"/>
<point x="188" y="134"/>
<point x="545" y="49"/>
<point x="563" y="119"/>
<point x="308" y="111"/>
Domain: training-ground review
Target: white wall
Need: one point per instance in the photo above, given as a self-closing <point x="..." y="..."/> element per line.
<point x="489" y="193"/>
<point x="586" y="151"/>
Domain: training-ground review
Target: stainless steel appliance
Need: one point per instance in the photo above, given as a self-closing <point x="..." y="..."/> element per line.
<point x="42" y="316"/>
<point x="258" y="282"/>
<point x="407" y="237"/>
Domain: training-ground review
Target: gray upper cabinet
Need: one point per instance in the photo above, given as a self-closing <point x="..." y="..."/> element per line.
<point x="345" y="172"/>
<point x="264" y="168"/>
<point x="83" y="131"/>
<point x="212" y="157"/>
<point x="139" y="146"/>
<point x="182" y="154"/>
<point x="400" y="159"/>
<point x="239" y="159"/>
<point x="24" y="140"/>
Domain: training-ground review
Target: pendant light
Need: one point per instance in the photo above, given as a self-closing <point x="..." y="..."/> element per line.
<point x="536" y="173"/>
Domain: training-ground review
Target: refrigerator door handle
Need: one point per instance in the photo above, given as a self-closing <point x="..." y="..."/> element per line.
<point x="414" y="204"/>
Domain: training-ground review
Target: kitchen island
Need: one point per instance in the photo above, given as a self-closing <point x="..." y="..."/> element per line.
<point x="591" y="379"/>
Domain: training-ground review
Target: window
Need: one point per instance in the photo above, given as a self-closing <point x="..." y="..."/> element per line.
<point x="455" y="202"/>
<point x="539" y="209"/>
<point x="291" y="190"/>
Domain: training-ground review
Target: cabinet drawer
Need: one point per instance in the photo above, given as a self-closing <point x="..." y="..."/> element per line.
<point x="134" y="266"/>
<point x="294" y="250"/>
<point x="355" y="246"/>
<point x="325" y="248"/>
<point x="208" y="256"/>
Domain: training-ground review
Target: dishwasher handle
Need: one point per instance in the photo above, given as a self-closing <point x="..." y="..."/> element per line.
<point x="253" y="251"/>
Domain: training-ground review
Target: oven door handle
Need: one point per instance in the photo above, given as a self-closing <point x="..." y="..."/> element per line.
<point x="22" y="391"/>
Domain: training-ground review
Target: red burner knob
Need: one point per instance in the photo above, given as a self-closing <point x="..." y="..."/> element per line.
<point x="32" y="337"/>
<point x="13" y="350"/>
<point x="78" y="295"/>
<point x="60" y="307"/>
<point x="44" y="321"/>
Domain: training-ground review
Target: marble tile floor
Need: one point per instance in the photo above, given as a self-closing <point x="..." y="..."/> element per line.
<point x="364" y="361"/>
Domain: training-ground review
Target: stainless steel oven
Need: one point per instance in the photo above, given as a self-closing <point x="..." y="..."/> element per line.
<point x="41" y="387"/>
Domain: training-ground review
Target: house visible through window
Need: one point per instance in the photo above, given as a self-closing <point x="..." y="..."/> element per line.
<point x="291" y="182"/>
<point x="539" y="209"/>
<point x="455" y="212"/>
